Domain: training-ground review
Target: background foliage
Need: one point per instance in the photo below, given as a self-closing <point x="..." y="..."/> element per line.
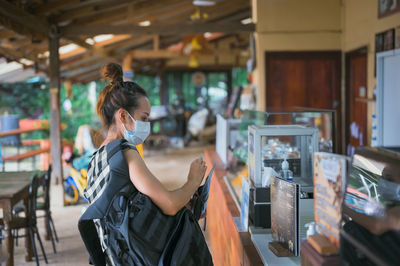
<point x="30" y="100"/>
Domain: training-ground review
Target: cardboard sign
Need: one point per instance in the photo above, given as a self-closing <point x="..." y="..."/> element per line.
<point x="329" y="175"/>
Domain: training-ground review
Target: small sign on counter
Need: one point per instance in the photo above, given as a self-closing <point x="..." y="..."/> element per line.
<point x="329" y="182"/>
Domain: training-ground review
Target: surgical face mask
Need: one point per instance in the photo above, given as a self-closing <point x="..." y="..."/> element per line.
<point x="139" y="134"/>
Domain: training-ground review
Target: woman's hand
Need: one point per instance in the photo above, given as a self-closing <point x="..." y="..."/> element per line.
<point x="197" y="171"/>
<point x="170" y="202"/>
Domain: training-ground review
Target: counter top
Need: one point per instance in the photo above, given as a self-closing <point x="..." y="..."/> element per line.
<point x="227" y="245"/>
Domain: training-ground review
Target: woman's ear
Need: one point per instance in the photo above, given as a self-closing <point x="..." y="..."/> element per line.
<point x="121" y="115"/>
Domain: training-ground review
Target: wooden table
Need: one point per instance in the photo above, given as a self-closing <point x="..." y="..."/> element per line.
<point x="14" y="187"/>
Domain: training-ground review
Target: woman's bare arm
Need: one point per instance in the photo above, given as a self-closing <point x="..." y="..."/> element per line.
<point x="170" y="202"/>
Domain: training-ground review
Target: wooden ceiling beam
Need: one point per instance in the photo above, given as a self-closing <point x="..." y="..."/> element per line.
<point x="84" y="59"/>
<point x="95" y="74"/>
<point x="5" y="34"/>
<point x="85" y="11"/>
<point x="25" y="23"/>
<point x="168" y="54"/>
<point x="171" y="11"/>
<point x="83" y="62"/>
<point x="42" y="47"/>
<point x="17" y="55"/>
<point x="134" y="13"/>
<point x="156" y="29"/>
<point x="221" y="9"/>
<point x="90" y="68"/>
<point x="20" y="20"/>
<point x="113" y="48"/>
<point x="81" y="42"/>
<point x="54" y="6"/>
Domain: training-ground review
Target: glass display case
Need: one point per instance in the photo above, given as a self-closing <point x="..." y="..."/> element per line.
<point x="323" y="120"/>
<point x="284" y="151"/>
<point x="227" y="131"/>
<point x="287" y="149"/>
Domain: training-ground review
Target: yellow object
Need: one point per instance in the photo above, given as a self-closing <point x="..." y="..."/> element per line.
<point x="84" y="173"/>
<point x="196" y="14"/>
<point x="193" y="62"/>
<point x="74" y="199"/>
<point x="238" y="179"/>
<point x="80" y="181"/>
<point x="140" y="150"/>
<point x="195" y="45"/>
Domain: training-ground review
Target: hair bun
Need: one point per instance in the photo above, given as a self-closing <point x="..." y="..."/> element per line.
<point x="112" y="72"/>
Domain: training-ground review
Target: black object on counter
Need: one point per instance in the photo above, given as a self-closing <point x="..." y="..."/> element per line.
<point x="260" y="207"/>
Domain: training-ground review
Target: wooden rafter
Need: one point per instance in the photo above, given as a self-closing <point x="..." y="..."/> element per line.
<point x="5" y="34"/>
<point x="82" y="63"/>
<point x="132" y="13"/>
<point x="54" y="6"/>
<point x="157" y="29"/>
<point x="170" y="20"/>
<point x="16" y="55"/>
<point x="81" y="70"/>
<point x="128" y="43"/>
<point x="20" y="21"/>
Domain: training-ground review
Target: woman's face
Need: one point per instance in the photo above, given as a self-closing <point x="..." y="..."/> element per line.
<point x="142" y="113"/>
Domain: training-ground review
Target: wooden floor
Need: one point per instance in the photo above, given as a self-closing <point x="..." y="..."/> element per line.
<point x="171" y="168"/>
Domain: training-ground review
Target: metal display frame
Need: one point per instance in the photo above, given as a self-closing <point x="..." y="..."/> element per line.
<point x="255" y="154"/>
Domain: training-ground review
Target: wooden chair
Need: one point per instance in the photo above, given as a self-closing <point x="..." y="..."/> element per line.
<point x="45" y="207"/>
<point x="30" y="222"/>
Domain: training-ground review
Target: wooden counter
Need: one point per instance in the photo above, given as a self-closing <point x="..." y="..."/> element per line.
<point x="227" y="245"/>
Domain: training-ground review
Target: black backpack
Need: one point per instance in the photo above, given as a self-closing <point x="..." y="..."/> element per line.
<point x="136" y="231"/>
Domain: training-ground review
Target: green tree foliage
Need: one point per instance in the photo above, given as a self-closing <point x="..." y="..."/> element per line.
<point x="27" y="100"/>
<point x="151" y="85"/>
<point x="31" y="101"/>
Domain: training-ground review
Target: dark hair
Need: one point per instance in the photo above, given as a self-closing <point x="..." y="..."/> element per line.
<point x="118" y="94"/>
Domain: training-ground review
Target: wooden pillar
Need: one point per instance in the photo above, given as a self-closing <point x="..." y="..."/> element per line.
<point x="127" y="68"/>
<point x="55" y="129"/>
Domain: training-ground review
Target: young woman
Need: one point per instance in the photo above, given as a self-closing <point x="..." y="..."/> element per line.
<point x="124" y="110"/>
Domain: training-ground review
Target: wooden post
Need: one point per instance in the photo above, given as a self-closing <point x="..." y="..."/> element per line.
<point x="156" y="42"/>
<point x="55" y="130"/>
<point x="127" y="68"/>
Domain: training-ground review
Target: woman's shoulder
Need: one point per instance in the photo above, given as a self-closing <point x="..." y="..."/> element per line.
<point x="118" y="145"/>
<point x="125" y="145"/>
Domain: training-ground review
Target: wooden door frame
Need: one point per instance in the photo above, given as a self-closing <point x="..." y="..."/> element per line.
<point x="335" y="54"/>
<point x="359" y="51"/>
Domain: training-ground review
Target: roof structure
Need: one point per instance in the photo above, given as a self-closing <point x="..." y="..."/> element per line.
<point x="92" y="32"/>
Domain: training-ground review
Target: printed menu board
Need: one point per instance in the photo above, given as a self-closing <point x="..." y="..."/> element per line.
<point x="284" y="213"/>
<point x="329" y="177"/>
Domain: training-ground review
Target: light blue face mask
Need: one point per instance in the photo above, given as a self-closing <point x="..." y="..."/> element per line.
<point x="139" y="134"/>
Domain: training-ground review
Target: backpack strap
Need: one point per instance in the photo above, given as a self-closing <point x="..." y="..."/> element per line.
<point x="118" y="145"/>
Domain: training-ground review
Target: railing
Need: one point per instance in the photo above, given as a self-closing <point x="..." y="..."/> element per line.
<point x="29" y="154"/>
